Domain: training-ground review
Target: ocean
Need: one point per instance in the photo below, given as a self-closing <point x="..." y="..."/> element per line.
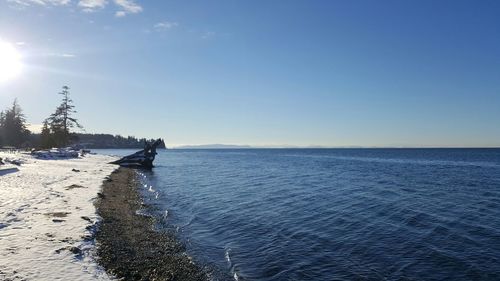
<point x="331" y="214"/>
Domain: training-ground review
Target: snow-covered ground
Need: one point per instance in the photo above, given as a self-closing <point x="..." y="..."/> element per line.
<point x="47" y="217"/>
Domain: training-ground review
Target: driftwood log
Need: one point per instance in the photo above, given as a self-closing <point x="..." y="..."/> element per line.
<point x="142" y="158"/>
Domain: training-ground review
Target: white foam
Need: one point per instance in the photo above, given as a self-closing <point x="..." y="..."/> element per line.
<point x="34" y="242"/>
<point x="228" y="257"/>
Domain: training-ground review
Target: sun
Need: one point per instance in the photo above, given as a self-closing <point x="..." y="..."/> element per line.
<point x="10" y="62"/>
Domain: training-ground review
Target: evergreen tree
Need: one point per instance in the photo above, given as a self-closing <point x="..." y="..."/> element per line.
<point x="2" y="121"/>
<point x="13" y="131"/>
<point x="46" y="138"/>
<point x="61" y="121"/>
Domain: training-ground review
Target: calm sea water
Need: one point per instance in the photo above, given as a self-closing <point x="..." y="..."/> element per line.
<point x="333" y="214"/>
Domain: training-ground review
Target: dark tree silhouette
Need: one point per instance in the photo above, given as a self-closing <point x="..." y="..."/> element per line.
<point x="46" y="138"/>
<point x="61" y="121"/>
<point x="13" y="131"/>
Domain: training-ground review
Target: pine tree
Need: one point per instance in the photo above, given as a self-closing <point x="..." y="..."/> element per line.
<point x="46" y="138"/>
<point x="61" y="121"/>
<point x="13" y="130"/>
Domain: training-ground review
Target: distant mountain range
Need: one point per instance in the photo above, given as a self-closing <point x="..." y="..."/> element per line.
<point x="213" y="146"/>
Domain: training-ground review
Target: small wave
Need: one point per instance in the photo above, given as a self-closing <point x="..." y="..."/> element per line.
<point x="405" y="161"/>
<point x="346" y="215"/>
<point x="232" y="267"/>
<point x="143" y="213"/>
<point x="228" y="257"/>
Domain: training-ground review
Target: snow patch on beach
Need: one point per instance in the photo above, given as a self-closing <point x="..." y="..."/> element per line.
<point x="47" y="218"/>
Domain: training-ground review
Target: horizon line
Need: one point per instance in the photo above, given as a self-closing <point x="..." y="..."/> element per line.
<point x="224" y="146"/>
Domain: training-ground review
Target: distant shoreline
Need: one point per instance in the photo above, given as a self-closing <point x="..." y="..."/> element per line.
<point x="207" y="147"/>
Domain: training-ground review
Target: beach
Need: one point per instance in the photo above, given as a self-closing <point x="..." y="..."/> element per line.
<point x="129" y="247"/>
<point x="79" y="219"/>
<point x="48" y="218"/>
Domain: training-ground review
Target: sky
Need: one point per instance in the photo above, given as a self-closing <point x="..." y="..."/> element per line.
<point x="264" y="72"/>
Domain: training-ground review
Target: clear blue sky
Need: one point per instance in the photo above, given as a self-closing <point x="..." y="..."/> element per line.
<point x="329" y="73"/>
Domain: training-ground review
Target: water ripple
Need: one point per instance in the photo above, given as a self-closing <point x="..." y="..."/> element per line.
<point x="341" y="214"/>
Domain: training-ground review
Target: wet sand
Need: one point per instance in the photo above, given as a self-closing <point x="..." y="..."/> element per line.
<point x="127" y="245"/>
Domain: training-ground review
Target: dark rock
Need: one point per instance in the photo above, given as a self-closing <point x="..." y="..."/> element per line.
<point x="75" y="250"/>
<point x="58" y="214"/>
<point x="86" y="218"/>
<point x="72" y="249"/>
<point x="74" y="186"/>
<point x="15" y="162"/>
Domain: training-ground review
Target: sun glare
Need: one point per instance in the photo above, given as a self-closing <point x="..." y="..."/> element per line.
<point x="10" y="62"/>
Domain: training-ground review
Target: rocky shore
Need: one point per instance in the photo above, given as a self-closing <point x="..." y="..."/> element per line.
<point x="127" y="245"/>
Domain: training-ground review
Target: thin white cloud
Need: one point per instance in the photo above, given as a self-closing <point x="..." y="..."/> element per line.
<point x="208" y="35"/>
<point x="124" y="7"/>
<point x="127" y="7"/>
<point x="120" y="14"/>
<point x="40" y="2"/>
<point x="164" y="25"/>
<point x="57" y="2"/>
<point x="92" y="5"/>
<point x="61" y="55"/>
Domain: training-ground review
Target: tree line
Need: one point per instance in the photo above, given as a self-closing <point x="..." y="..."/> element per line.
<point x="113" y="141"/>
<point x="57" y="130"/>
